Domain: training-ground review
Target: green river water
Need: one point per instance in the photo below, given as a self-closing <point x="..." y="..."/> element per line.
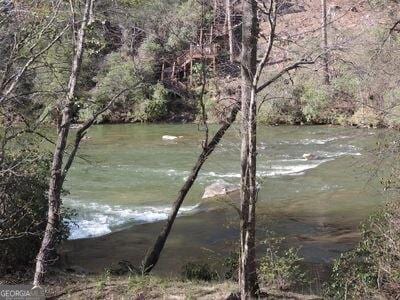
<point x="130" y="176"/>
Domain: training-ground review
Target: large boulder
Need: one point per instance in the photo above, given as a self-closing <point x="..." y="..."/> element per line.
<point x="219" y="188"/>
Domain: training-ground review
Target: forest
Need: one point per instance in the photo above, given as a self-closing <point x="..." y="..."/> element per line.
<point x="199" y="149"/>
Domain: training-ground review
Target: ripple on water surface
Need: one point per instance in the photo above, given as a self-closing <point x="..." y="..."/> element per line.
<point x="134" y="181"/>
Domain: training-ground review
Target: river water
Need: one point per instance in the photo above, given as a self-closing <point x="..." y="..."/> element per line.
<point x="127" y="175"/>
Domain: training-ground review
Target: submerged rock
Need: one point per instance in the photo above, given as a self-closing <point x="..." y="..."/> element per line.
<point x="219" y="188"/>
<point x="171" y="137"/>
<point x="311" y="156"/>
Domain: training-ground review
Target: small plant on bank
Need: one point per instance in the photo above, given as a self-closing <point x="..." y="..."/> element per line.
<point x="199" y="271"/>
<point x="372" y="268"/>
<point x="145" y="284"/>
<point x="279" y="268"/>
<point x="231" y="266"/>
<point x="103" y="280"/>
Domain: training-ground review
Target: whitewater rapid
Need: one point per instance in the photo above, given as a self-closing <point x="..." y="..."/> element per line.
<point x="97" y="219"/>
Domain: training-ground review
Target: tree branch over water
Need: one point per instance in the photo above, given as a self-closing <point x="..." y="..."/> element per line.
<point x="154" y="253"/>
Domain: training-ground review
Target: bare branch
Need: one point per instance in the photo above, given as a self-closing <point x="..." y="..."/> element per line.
<point x="283" y="72"/>
<point x="82" y="132"/>
<point x="18" y="76"/>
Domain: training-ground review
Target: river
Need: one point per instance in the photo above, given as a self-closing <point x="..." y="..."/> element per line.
<point x="128" y="176"/>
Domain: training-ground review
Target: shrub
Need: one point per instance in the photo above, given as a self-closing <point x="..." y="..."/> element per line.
<point x="23" y="209"/>
<point x="231" y="264"/>
<point x="199" y="271"/>
<point x="367" y="116"/>
<point x="280" y="111"/>
<point x="372" y="268"/>
<point x="281" y="269"/>
<point x="315" y="105"/>
<point x="119" y="73"/>
<point x="149" y="54"/>
<point x="157" y="106"/>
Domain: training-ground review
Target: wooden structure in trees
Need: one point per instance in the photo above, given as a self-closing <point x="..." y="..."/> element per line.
<point x="212" y="43"/>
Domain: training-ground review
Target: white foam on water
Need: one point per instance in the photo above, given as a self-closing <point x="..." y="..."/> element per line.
<point x="100" y="219"/>
<point x="294" y="166"/>
<point x="280" y="170"/>
<point x="226" y="175"/>
<point x="314" y="141"/>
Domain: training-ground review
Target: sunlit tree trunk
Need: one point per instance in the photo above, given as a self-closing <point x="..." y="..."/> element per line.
<point x="57" y="178"/>
<point x="324" y="24"/>
<point x="230" y="30"/>
<point x="248" y="193"/>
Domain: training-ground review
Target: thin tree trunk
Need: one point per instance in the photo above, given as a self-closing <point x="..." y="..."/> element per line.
<point x="56" y="179"/>
<point x="153" y="255"/>
<point x="325" y="42"/>
<point x="230" y="31"/>
<point x="248" y="193"/>
<point x="125" y="48"/>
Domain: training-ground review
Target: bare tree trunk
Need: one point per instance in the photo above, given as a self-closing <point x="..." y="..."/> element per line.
<point x="325" y="42"/>
<point x="57" y="178"/>
<point x="248" y="193"/>
<point x="230" y="31"/>
<point x="153" y="255"/>
<point x="125" y="47"/>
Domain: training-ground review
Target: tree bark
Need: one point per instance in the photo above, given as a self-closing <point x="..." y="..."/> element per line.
<point x="248" y="193"/>
<point x="57" y="179"/>
<point x="325" y="42"/>
<point x="153" y="255"/>
<point x="230" y="30"/>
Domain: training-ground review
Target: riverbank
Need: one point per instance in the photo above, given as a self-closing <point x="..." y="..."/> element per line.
<point x="150" y="287"/>
<point x="372" y="122"/>
<point x="192" y="241"/>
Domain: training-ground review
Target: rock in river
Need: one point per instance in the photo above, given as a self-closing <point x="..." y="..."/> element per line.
<point x="170" y="137"/>
<point x="311" y="156"/>
<point x="219" y="188"/>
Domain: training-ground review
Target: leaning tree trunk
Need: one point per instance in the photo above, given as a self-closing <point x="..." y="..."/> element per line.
<point x="248" y="194"/>
<point x="153" y="255"/>
<point x="57" y="178"/>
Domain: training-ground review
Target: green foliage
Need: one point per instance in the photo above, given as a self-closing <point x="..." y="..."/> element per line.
<point x="157" y="106"/>
<point x="280" y="111"/>
<point x="131" y="3"/>
<point x="199" y="271"/>
<point x="153" y="109"/>
<point x="52" y="80"/>
<point x="372" y="268"/>
<point x="231" y="266"/>
<point x="149" y="54"/>
<point x="103" y="280"/>
<point x="118" y="74"/>
<point x="315" y="103"/>
<point x="23" y="208"/>
<point x="346" y="84"/>
<point x="188" y="20"/>
<point x="281" y="268"/>
<point x="380" y="4"/>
